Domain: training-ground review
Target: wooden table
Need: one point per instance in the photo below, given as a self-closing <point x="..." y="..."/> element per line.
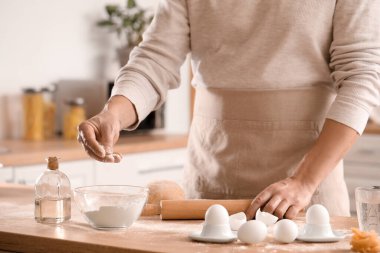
<point x="19" y="232"/>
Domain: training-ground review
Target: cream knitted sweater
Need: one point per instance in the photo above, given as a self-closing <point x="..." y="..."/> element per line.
<point x="261" y="44"/>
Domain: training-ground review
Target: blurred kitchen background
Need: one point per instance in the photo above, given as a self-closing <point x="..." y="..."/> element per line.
<point x="57" y="68"/>
<point x="45" y="43"/>
<point x="53" y="53"/>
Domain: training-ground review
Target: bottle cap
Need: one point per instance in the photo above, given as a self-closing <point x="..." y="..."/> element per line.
<point x="45" y="89"/>
<point x="75" y="101"/>
<point x="52" y="162"/>
<point x="30" y="91"/>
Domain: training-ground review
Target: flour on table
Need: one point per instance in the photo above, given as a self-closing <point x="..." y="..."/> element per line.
<point x="305" y="247"/>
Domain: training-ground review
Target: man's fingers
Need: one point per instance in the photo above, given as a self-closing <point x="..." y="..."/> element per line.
<point x="272" y="204"/>
<point x="108" y="138"/>
<point x="281" y="209"/>
<point x="292" y="212"/>
<point x="111" y="158"/>
<point x="258" y="202"/>
<point x="117" y="157"/>
<point x="92" y="154"/>
<point x="108" y="149"/>
<point x="88" y="151"/>
<point x="87" y="136"/>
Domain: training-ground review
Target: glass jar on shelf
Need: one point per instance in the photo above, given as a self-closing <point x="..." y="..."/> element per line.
<point x="73" y="117"/>
<point x="49" y="113"/>
<point x="33" y="108"/>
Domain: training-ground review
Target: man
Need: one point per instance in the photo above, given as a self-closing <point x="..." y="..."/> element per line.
<point x="284" y="88"/>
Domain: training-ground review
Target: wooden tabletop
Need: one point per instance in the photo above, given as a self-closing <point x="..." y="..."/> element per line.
<point x="22" y="152"/>
<point x="19" y="232"/>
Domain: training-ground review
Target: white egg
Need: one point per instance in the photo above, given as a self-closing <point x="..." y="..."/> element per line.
<point x="253" y="231"/>
<point x="216" y="215"/>
<point x="318" y="215"/>
<point x="267" y="218"/>
<point x="236" y="220"/>
<point x="285" y="231"/>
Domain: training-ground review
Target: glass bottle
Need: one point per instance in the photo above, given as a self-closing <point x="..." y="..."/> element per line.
<point x="52" y="195"/>
<point x="73" y="117"/>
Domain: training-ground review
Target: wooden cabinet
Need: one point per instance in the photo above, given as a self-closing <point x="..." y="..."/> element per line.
<point x="142" y="168"/>
<point x="135" y="169"/>
<point x="79" y="172"/>
<point x="362" y="165"/>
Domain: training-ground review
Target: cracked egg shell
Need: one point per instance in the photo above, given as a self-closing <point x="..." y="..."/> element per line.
<point x="267" y="218"/>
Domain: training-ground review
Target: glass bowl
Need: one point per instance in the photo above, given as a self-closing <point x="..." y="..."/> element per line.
<point x="111" y="206"/>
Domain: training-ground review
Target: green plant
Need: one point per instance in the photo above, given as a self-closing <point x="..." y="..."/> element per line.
<point x="128" y="22"/>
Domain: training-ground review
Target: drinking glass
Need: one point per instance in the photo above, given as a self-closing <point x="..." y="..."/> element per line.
<point x="368" y="208"/>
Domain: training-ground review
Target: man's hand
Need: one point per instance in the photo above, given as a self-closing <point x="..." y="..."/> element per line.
<point x="99" y="134"/>
<point x="285" y="199"/>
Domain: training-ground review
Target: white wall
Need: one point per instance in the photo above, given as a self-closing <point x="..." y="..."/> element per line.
<point x="43" y="41"/>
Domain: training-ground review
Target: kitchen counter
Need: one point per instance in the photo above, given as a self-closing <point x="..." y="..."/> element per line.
<point x="19" y="232"/>
<point x="23" y="152"/>
<point x="372" y="128"/>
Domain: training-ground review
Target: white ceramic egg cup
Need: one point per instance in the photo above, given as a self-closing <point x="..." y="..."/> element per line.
<point x="337" y="236"/>
<point x="317" y="227"/>
<point x="216" y="228"/>
<point x="319" y="233"/>
<point x="197" y="236"/>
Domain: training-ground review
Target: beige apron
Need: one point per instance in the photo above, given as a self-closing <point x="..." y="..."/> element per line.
<point x="241" y="141"/>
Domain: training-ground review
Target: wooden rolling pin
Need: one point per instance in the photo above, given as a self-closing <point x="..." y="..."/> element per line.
<point x="195" y="209"/>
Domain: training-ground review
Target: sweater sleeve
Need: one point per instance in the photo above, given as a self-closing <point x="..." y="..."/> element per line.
<point x="154" y="65"/>
<point x="355" y="61"/>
